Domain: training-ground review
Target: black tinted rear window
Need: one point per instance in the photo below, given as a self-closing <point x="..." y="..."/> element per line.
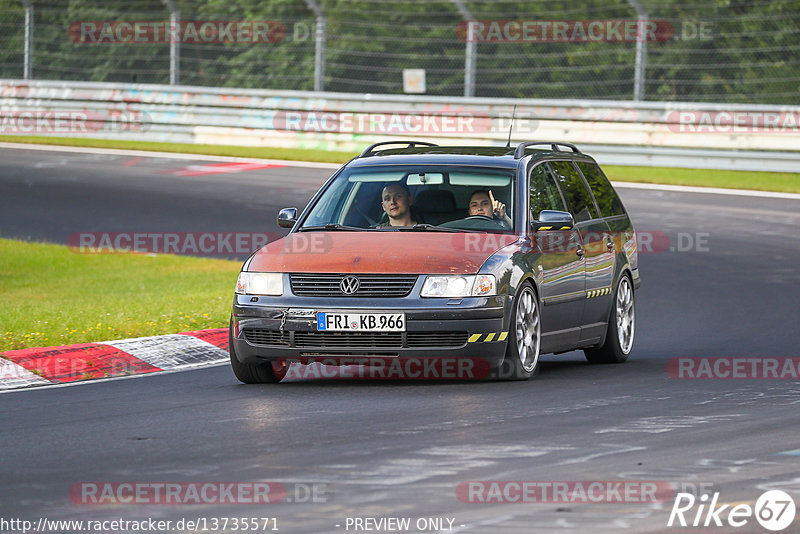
<point x="607" y="200"/>
<point x="544" y="194"/>
<point x="578" y="198"/>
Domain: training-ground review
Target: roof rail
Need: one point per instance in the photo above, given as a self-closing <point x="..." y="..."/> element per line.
<point x="410" y="144"/>
<point x="520" y="151"/>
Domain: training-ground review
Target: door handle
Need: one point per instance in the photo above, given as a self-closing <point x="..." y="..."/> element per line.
<point x="580" y="252"/>
<point x="610" y="244"/>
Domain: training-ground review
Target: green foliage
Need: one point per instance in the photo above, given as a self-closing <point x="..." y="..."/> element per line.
<point x="53" y="296"/>
<point x="722" y="51"/>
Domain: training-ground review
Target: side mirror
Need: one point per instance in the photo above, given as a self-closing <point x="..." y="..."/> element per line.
<point x="553" y="220"/>
<point x="287" y="217"/>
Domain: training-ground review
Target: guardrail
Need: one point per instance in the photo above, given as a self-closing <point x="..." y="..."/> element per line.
<point x="721" y="136"/>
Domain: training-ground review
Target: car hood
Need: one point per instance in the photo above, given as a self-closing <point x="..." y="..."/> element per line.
<point x="408" y="252"/>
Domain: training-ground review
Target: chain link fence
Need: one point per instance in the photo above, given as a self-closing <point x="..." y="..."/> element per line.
<point x="728" y="51"/>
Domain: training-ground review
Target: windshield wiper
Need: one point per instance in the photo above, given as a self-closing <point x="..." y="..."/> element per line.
<point x="333" y="226"/>
<point x="426" y="227"/>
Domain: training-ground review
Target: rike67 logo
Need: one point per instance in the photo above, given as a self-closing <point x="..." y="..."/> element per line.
<point x="774" y="510"/>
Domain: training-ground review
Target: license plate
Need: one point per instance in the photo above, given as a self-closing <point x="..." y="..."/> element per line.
<point x="361" y="322"/>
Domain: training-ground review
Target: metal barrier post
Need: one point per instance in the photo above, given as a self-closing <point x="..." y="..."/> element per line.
<point x="174" y="38"/>
<point x="319" y="49"/>
<point x="641" y="51"/>
<point x="28" y="64"/>
<point x="471" y="51"/>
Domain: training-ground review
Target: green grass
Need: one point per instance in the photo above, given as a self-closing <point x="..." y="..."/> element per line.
<point x="296" y="154"/>
<point x="785" y="182"/>
<point x="764" y="181"/>
<point x="53" y="296"/>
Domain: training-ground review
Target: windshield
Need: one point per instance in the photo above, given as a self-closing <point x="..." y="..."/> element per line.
<point x="417" y="197"/>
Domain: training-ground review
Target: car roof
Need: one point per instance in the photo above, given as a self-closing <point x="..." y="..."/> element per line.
<point x="484" y="156"/>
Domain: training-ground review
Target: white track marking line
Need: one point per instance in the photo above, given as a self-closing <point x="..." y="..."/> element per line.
<point x="127" y="377"/>
<point x="13" y="375"/>
<point x="172" y="351"/>
<point x="712" y="190"/>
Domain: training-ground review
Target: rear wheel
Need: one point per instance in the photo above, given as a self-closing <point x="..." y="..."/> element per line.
<point x="521" y="361"/>
<point x="621" y="327"/>
<point x="255" y="373"/>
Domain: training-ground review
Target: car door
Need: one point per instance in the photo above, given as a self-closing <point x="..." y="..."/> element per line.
<point x="559" y="266"/>
<point x="599" y="257"/>
<point x="613" y="212"/>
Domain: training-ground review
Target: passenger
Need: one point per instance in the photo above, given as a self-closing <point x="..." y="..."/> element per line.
<point x="482" y="202"/>
<point x="396" y="202"/>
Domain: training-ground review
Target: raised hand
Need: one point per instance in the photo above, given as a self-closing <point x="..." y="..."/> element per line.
<point x="498" y="207"/>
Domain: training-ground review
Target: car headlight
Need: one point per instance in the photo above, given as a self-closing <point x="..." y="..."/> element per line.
<point x="260" y="284"/>
<point x="481" y="285"/>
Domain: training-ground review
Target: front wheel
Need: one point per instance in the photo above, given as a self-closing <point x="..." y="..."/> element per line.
<point x="255" y="373"/>
<point x="521" y="361"/>
<point x="621" y="327"/>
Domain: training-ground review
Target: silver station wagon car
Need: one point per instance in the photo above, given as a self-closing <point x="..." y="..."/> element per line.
<point x="481" y="258"/>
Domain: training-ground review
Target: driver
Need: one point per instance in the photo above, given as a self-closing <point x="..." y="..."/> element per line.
<point x="482" y="202"/>
<point x="396" y="202"/>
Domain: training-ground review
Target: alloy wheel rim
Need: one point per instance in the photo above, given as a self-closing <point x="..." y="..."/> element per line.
<point x="626" y="317"/>
<point x="528" y="330"/>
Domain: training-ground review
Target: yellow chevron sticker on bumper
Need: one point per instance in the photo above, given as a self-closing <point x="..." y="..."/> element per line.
<point x="501" y="336"/>
<point x="598" y="292"/>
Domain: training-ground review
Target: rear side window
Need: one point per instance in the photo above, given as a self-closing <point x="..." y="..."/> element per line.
<point x="578" y="197"/>
<point x="544" y="193"/>
<point x="607" y="200"/>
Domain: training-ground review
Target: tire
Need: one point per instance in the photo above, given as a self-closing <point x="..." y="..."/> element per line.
<point x="521" y="360"/>
<point x="621" y="327"/>
<point x="254" y="373"/>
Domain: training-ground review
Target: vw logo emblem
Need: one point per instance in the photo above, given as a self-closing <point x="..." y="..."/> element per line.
<point x="349" y="285"/>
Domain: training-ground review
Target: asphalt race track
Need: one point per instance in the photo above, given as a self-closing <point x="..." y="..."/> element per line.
<point x="725" y="285"/>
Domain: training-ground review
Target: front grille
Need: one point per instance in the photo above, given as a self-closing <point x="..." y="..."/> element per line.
<point x="436" y="339"/>
<point x="349" y="339"/>
<point x="262" y="336"/>
<point x="370" y="285"/>
<point x="355" y="340"/>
